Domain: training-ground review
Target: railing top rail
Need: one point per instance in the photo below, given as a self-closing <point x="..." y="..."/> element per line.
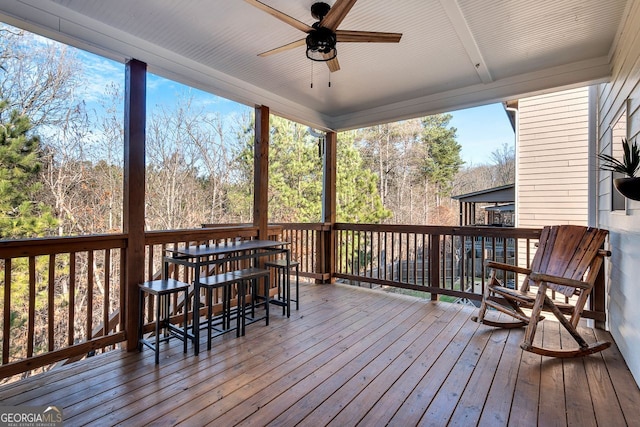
<point x="486" y="231"/>
<point x="315" y="226"/>
<point x="213" y="232"/>
<point x="55" y="245"/>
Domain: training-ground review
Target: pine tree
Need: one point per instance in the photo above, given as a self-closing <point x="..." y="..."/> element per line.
<point x="358" y="198"/>
<point x="295" y="177"/>
<point x="440" y="157"/>
<point x="20" y="163"/>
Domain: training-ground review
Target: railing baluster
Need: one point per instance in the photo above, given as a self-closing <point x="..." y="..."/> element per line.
<point x="50" y="302"/>
<point x="375" y="251"/>
<point x="89" y="294"/>
<point x="150" y="259"/>
<point x="72" y="298"/>
<point x="351" y="249"/>
<point x="472" y="252"/>
<point x="434" y="263"/>
<point x="462" y="260"/>
<point x="303" y="248"/>
<point x="6" y="325"/>
<point x="386" y="255"/>
<point x="123" y="265"/>
<point x="416" y="249"/>
<point x="393" y="256"/>
<point x="359" y="254"/>
<point x="482" y="260"/>
<point x="424" y="258"/>
<point x="312" y="254"/>
<point x="443" y="260"/>
<point x="107" y="291"/>
<point x="32" y="305"/>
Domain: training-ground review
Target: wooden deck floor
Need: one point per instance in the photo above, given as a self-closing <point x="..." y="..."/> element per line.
<point x="349" y="357"/>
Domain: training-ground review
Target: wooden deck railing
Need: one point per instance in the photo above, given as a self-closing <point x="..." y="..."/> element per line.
<point x="307" y="243"/>
<point x="57" y="296"/>
<point x="61" y="298"/>
<point x="440" y="261"/>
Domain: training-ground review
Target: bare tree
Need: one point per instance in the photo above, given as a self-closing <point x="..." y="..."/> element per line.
<point x="504" y="160"/>
<point x="386" y="150"/>
<point x="39" y="82"/>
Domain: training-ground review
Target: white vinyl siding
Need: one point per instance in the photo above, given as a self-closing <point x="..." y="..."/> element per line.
<point x="624" y="268"/>
<point x="552" y="186"/>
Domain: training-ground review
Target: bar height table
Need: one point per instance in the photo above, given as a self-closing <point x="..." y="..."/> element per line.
<point x="200" y="256"/>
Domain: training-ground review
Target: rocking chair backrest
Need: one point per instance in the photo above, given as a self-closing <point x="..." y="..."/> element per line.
<point x="569" y="251"/>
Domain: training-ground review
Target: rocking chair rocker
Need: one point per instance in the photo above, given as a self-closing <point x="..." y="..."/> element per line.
<point x="567" y="261"/>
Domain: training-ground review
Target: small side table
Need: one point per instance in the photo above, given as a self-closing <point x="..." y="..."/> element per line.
<point x="162" y="289"/>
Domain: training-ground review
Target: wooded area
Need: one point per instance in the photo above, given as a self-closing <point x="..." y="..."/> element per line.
<point x="199" y="162"/>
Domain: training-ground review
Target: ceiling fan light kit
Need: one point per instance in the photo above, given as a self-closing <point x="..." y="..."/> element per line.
<point x="321" y="44"/>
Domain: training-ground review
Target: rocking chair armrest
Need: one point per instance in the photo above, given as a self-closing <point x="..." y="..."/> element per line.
<point x="543" y="277"/>
<point x="507" y="267"/>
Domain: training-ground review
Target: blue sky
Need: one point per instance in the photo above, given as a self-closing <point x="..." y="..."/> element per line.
<point x="482" y="130"/>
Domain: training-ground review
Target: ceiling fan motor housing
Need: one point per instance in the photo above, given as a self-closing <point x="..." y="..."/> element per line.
<point x="319" y="10"/>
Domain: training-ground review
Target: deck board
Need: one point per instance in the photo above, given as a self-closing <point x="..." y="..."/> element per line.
<point x="498" y="403"/>
<point x="349" y="357"/>
<point x="552" y="410"/>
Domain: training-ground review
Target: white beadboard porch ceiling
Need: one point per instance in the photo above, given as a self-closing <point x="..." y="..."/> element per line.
<point x="453" y="53"/>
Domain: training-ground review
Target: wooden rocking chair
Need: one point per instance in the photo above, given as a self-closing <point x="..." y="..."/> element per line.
<point x="567" y="261"/>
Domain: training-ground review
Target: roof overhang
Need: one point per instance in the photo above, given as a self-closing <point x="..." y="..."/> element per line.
<point x="453" y="53"/>
<point x="502" y="194"/>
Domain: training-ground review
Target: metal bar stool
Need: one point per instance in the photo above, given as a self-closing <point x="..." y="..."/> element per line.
<point x="222" y="281"/>
<point x="162" y="289"/>
<point x="252" y="276"/>
<point x="284" y="298"/>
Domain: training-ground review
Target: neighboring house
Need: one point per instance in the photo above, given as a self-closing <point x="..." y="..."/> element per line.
<point x="493" y="206"/>
<point x="552" y="167"/>
<point x="552" y="152"/>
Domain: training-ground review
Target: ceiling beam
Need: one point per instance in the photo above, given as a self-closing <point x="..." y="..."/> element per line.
<point x="461" y="27"/>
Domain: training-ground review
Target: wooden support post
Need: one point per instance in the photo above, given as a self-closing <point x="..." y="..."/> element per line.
<point x="598" y="297"/>
<point x="328" y="254"/>
<point x="261" y="172"/>
<point x="134" y="181"/>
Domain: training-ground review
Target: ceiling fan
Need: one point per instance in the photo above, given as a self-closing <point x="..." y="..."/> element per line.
<point x="323" y="35"/>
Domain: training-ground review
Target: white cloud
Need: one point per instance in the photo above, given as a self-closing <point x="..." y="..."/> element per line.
<point x="98" y="74"/>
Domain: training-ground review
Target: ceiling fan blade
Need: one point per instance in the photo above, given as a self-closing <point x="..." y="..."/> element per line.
<point x="333" y="65"/>
<point x="287" y="46"/>
<point x="281" y="16"/>
<point x="337" y="14"/>
<point x="367" y="37"/>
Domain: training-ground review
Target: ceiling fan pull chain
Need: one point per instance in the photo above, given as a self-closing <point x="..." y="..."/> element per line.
<point x="311" y="74"/>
